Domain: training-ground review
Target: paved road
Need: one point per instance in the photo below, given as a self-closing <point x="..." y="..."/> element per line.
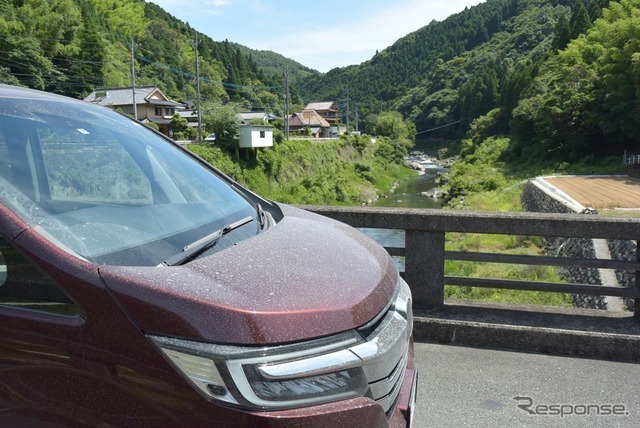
<point x="470" y="387"/>
<point x="600" y="192"/>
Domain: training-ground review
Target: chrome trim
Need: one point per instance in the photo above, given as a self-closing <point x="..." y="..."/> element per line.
<point x="314" y="366"/>
<point x="385" y="352"/>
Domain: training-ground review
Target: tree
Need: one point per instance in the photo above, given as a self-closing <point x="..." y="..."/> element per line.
<point x="223" y="120"/>
<point x="586" y="100"/>
<point x="562" y="33"/>
<point x="392" y="125"/>
<point x="580" y="21"/>
<point x="181" y="128"/>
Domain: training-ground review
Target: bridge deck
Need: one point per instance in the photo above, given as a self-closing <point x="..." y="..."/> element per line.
<point x="471" y="387"/>
<point x="600" y="192"/>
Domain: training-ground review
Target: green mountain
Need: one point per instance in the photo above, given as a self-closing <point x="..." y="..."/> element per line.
<point x="449" y="73"/>
<point x="273" y="64"/>
<point x="74" y="46"/>
<point x="556" y="77"/>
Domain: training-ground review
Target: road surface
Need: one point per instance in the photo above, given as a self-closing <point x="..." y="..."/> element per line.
<point x="472" y="387"/>
<point x="600" y="192"/>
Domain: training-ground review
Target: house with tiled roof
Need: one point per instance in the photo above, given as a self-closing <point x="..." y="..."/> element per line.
<point x="327" y="109"/>
<point x="247" y="116"/>
<point x="309" y="121"/>
<point x="150" y="103"/>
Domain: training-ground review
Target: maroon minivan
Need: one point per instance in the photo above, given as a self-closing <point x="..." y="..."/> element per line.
<point x="140" y="287"/>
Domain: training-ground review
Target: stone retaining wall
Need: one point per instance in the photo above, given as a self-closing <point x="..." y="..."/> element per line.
<point x="536" y="197"/>
<point x="624" y="250"/>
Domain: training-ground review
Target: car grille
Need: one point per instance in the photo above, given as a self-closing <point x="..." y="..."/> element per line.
<point x="385" y="352"/>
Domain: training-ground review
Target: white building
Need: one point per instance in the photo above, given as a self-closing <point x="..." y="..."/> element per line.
<point x="252" y="136"/>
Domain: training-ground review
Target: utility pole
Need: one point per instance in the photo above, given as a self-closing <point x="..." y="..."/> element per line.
<point x="286" y="103"/>
<point x="348" y="109"/>
<point x="133" y="81"/>
<point x="357" y="118"/>
<point x="198" y="92"/>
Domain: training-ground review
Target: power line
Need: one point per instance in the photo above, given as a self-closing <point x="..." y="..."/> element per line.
<point x="225" y="84"/>
<point x="439" y="127"/>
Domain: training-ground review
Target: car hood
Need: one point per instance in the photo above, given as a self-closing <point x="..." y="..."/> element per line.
<point x="306" y="277"/>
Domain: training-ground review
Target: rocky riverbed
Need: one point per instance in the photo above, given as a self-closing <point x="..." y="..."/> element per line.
<point x="426" y="164"/>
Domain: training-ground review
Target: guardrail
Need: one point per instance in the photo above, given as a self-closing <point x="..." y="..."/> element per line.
<point x="425" y="254"/>
<point x="630" y="159"/>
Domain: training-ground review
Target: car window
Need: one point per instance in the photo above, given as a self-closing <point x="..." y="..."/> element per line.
<point x="95" y="169"/>
<point x="106" y="188"/>
<point x="25" y="286"/>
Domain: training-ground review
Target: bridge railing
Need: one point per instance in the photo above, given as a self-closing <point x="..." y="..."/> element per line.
<point x="425" y="254"/>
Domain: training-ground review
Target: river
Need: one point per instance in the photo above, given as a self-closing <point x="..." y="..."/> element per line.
<point x="408" y="194"/>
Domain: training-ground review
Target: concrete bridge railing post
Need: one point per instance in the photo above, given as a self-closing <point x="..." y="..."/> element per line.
<point x="424" y="267"/>
<point x="636" y="305"/>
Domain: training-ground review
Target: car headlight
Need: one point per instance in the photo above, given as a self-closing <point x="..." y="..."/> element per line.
<point x="279" y="377"/>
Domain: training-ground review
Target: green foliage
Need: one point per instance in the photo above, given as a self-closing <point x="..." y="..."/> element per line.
<point x="345" y="171"/>
<point x="75" y="46"/>
<point x="585" y="101"/>
<point x="503" y="244"/>
<point x="400" y="134"/>
<point x="274" y="64"/>
<point x="181" y="129"/>
<point x="474" y="178"/>
<point x="562" y="35"/>
<point x="580" y="20"/>
<point x="218" y="157"/>
<point x="222" y="119"/>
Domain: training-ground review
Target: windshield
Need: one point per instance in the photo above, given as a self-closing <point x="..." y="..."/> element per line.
<point x="106" y="188"/>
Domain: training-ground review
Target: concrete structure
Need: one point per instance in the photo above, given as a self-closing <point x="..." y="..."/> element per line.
<point x="558" y="195"/>
<point x="584" y="332"/>
<point x="253" y="136"/>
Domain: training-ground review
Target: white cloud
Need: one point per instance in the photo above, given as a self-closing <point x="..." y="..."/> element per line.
<point x="357" y="40"/>
<point x="218" y="3"/>
<point x="308" y="34"/>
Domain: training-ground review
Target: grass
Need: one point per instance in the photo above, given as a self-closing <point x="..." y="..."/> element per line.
<point x="503" y="244"/>
<point x="348" y="171"/>
<point x="620" y="213"/>
<point x="504" y="199"/>
<point x="488" y="185"/>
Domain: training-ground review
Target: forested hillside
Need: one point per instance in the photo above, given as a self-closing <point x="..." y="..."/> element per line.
<point x="273" y="64"/>
<point x="73" y="46"/>
<point x="556" y="78"/>
<point x="560" y="78"/>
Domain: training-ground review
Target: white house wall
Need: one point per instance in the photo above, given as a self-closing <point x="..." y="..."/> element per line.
<point x="250" y="137"/>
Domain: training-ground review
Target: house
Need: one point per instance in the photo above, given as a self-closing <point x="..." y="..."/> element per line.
<point x="151" y="104"/>
<point x="327" y="109"/>
<point x="309" y="121"/>
<point x="247" y="116"/>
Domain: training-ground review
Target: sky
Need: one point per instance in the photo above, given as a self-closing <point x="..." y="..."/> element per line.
<point x="320" y="34"/>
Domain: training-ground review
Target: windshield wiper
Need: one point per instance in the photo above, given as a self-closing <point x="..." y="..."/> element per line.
<point x="262" y="217"/>
<point x="198" y="247"/>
